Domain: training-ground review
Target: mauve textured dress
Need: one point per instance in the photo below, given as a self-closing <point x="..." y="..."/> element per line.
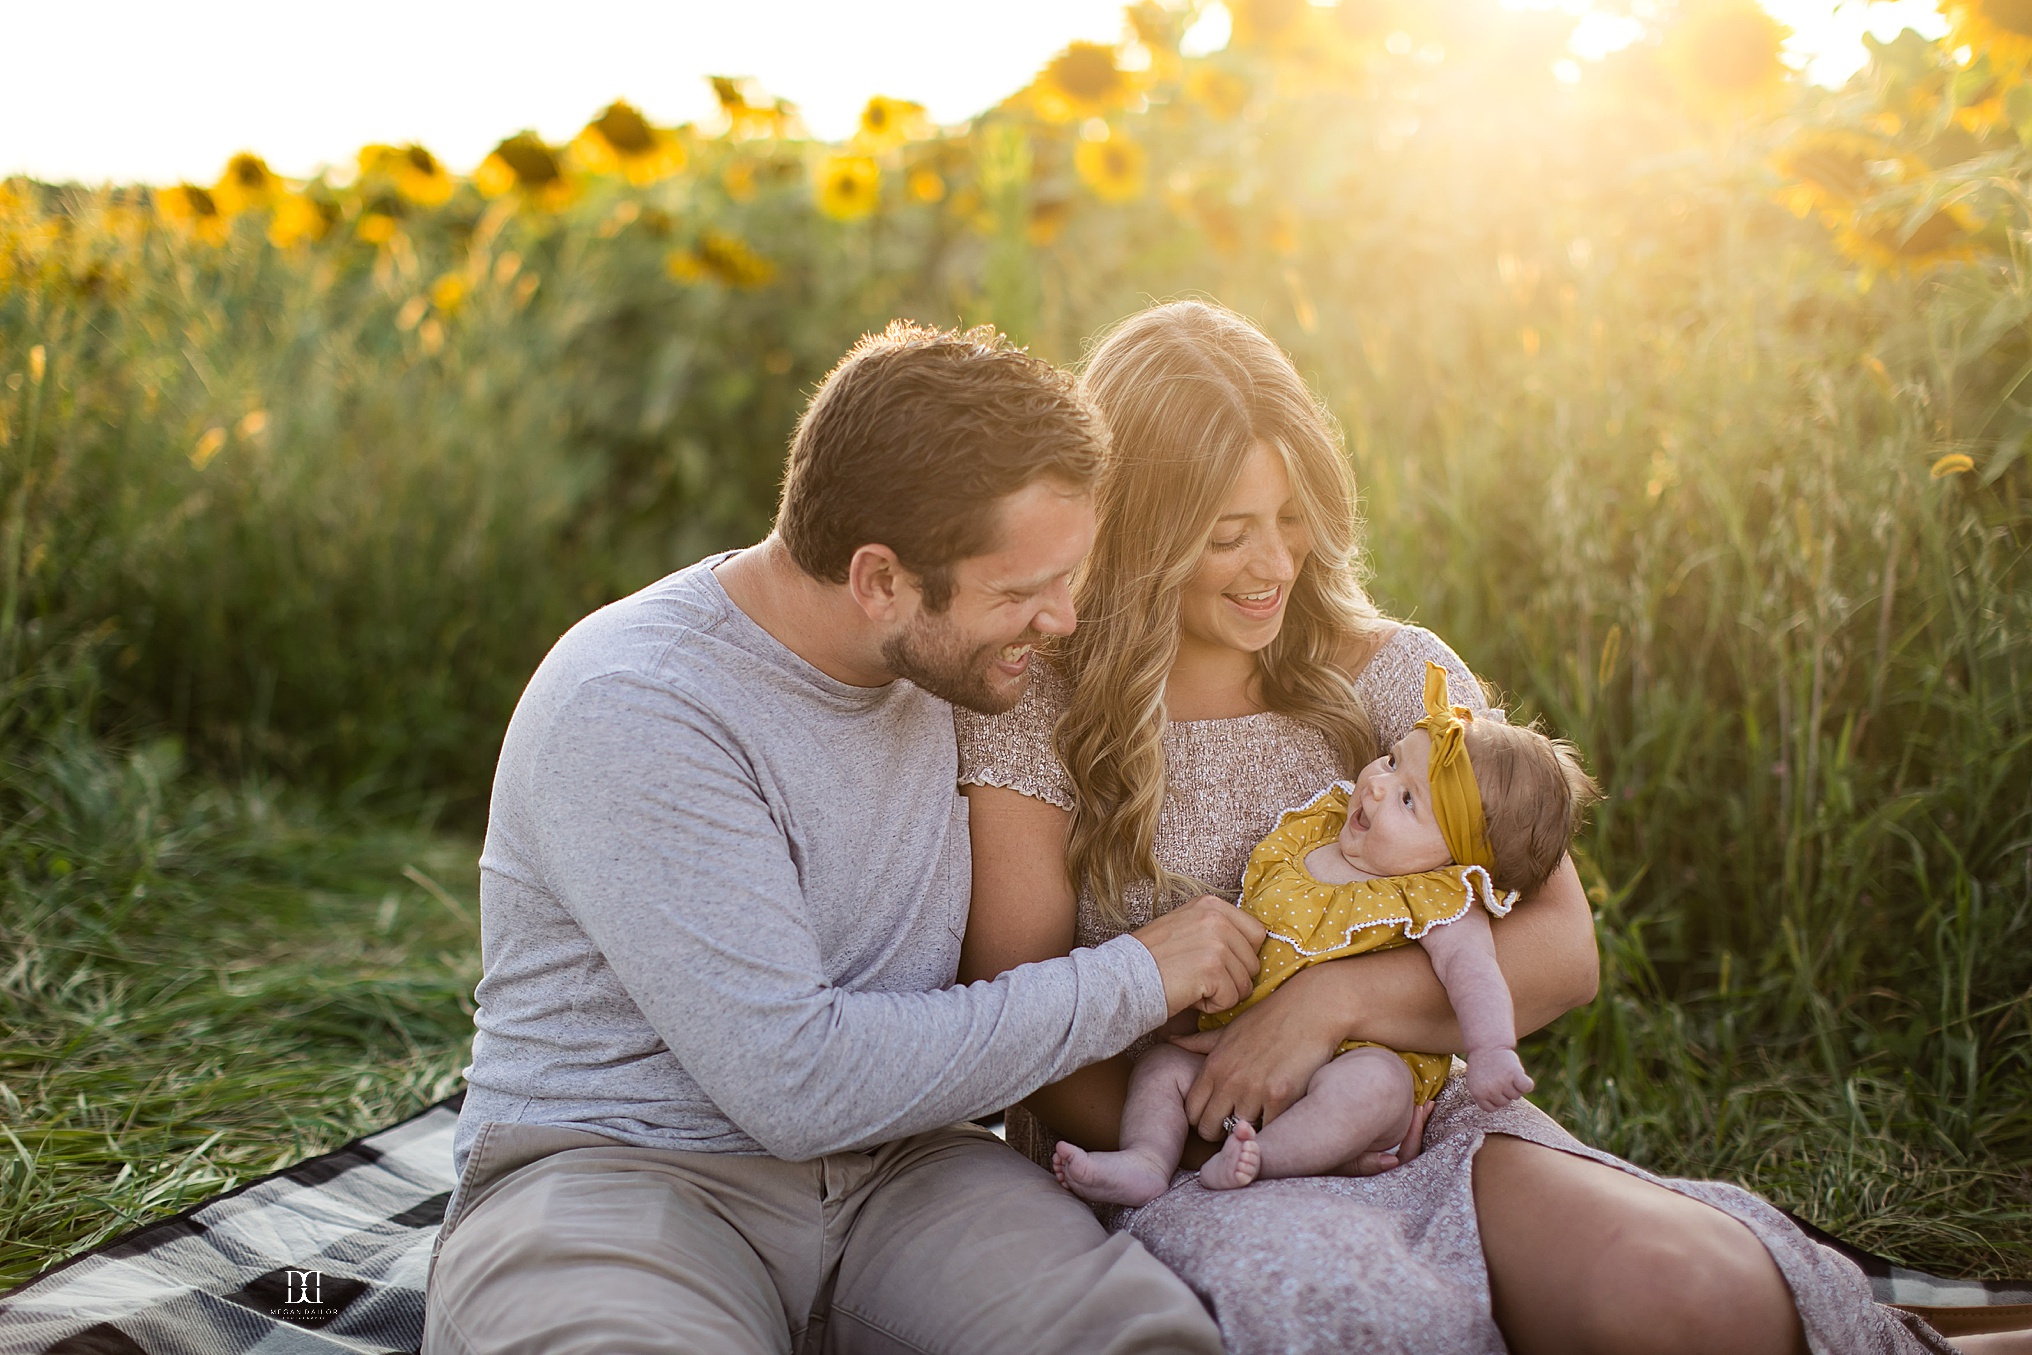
<point x="1386" y="1263"/>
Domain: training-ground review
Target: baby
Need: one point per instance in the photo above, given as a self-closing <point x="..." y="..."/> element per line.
<point x="1458" y="808"/>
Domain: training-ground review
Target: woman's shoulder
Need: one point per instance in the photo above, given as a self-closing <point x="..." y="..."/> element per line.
<point x="1392" y="683"/>
<point x="1013" y="750"/>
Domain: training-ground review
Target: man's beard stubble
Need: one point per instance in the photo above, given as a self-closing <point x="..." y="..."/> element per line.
<point x="932" y="654"/>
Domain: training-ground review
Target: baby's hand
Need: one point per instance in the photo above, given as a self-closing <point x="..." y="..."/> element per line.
<point x="1497" y="1077"/>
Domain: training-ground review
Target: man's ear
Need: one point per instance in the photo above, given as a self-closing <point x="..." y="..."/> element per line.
<point x="879" y="584"/>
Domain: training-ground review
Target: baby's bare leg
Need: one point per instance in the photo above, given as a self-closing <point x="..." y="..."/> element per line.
<point x="1359" y="1103"/>
<point x="1153" y="1135"/>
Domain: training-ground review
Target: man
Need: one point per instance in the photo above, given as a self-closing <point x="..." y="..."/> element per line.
<point x="720" y="1061"/>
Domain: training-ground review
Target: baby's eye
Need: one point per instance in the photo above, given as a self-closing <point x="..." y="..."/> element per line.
<point x="1392" y="760"/>
<point x="1407" y="799"/>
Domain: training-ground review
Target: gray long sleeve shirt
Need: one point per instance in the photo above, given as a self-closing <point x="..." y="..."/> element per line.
<point x="722" y="897"/>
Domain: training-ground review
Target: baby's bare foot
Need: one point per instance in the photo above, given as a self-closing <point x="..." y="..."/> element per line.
<point x="1108" y="1178"/>
<point x="1237" y="1163"/>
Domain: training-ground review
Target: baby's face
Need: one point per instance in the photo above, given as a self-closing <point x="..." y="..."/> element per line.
<point x="1390" y="828"/>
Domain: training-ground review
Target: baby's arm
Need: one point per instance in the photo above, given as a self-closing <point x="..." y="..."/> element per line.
<point x="1463" y="955"/>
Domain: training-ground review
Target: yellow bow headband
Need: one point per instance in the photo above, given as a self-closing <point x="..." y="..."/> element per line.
<point x="1456" y="799"/>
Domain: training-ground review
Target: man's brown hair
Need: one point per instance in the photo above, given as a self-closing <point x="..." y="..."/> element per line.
<point x="1534" y="795"/>
<point x="913" y="438"/>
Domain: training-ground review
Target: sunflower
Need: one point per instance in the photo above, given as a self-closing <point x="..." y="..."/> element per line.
<point x="1831" y="171"/>
<point x="2000" y="29"/>
<point x="622" y="140"/>
<point x="193" y="210"/>
<point x="848" y="186"/>
<point x="1047" y="219"/>
<point x="1112" y="167"/>
<point x="1081" y="82"/>
<point x="1221" y="93"/>
<point x="417" y="174"/>
<point x="749" y="112"/>
<point x="524" y="164"/>
<point x="298" y="217"/>
<point x="888" y="123"/>
<point x="1724" y="53"/>
<point x="725" y="258"/>
<point x="1891" y="243"/>
<point x="927" y="184"/>
<point x="1954" y="463"/>
<point x="376" y="228"/>
<point x="246" y="184"/>
<point x="420" y="176"/>
<point x="448" y="293"/>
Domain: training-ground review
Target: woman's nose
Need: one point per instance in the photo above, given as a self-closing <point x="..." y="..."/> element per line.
<point x="1275" y="563"/>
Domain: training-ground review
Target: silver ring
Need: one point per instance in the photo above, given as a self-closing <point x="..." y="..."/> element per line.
<point x="1228" y="1125"/>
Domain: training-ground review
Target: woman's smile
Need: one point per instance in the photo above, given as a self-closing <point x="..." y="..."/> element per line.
<point x="1261" y="605"/>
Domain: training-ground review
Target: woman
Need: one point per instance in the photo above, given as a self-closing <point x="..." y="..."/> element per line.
<point x="1228" y="665"/>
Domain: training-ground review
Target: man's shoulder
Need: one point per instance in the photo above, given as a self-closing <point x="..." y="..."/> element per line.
<point x="663" y="634"/>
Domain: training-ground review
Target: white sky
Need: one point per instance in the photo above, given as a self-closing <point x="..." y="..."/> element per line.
<point x="143" y="90"/>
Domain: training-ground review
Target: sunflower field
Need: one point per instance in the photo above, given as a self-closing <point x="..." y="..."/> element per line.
<point x="1688" y="401"/>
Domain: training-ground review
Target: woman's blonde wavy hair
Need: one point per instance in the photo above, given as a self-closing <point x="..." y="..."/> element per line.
<point x="1189" y="390"/>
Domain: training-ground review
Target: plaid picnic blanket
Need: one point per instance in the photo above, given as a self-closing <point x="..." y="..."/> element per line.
<point x="330" y="1256"/>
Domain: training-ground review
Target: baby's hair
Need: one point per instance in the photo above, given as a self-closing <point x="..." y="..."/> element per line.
<point x="1534" y="795"/>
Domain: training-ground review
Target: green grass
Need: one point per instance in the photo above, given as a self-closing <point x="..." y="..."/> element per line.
<point x="205" y="985"/>
<point x="1645" y="446"/>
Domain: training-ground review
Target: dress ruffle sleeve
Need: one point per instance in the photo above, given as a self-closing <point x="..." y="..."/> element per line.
<point x="1013" y="750"/>
<point x="1311" y="921"/>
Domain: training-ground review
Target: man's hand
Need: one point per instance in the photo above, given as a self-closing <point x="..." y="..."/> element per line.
<point x="1206" y="951"/>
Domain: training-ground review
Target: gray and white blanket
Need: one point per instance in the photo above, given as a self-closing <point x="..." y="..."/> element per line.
<point x="330" y="1256"/>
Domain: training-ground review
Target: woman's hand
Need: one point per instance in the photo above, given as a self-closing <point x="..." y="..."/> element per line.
<point x="1259" y="1063"/>
<point x="1240" y="1072"/>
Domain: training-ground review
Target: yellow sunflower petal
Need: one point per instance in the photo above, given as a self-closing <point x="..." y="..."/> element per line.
<point x="1113" y="167"/>
<point x="848" y="186"/>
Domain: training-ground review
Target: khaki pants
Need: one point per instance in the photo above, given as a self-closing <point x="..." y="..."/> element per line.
<point x="944" y="1242"/>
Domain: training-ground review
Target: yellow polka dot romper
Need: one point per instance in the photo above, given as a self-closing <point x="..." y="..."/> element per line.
<point x="1310" y="921"/>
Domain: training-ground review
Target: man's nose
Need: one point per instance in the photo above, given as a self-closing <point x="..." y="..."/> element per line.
<point x="1056" y="615"/>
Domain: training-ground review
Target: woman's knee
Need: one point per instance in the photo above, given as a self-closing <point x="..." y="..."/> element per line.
<point x="1586" y="1258"/>
<point x="1688" y="1285"/>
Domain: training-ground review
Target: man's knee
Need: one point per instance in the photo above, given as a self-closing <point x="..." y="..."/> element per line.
<point x="567" y="1261"/>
